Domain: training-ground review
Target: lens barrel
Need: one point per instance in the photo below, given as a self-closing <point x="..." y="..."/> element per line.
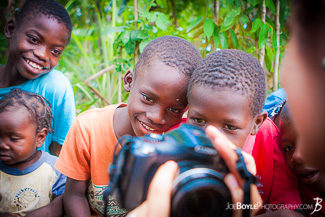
<point x="200" y="192"/>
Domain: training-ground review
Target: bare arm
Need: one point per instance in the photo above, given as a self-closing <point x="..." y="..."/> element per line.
<point x="54" y="209"/>
<point x="55" y="148"/>
<point x="75" y="200"/>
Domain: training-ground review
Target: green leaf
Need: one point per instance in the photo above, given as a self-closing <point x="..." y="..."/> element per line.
<point x="243" y="19"/>
<point x="269" y="58"/>
<point x="238" y="3"/>
<point x="142" y="45"/>
<point x="256" y="25"/>
<point x="142" y="35"/>
<point x="193" y="24"/>
<point x="134" y="34"/>
<point x="229" y="2"/>
<point x="224" y="40"/>
<point x="263" y="35"/>
<point x="126" y="37"/>
<point x="254" y="2"/>
<point x="129" y="47"/>
<point x="229" y="20"/>
<point x="234" y="38"/>
<point x="111" y="30"/>
<point x="208" y="27"/>
<point x="159" y="2"/>
<point x="162" y="21"/>
<point x="270" y="4"/>
<point x="216" y="36"/>
<point x="151" y="17"/>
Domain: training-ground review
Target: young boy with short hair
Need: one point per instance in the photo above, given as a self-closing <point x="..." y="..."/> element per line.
<point x="29" y="182"/>
<point x="157" y="101"/>
<point x="227" y="90"/>
<point x="311" y="180"/>
<point x="37" y="38"/>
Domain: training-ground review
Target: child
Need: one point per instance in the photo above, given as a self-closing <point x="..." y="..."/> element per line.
<point x="227" y="90"/>
<point x="38" y="37"/>
<point x="29" y="182"/>
<point x="311" y="180"/>
<point x="157" y="101"/>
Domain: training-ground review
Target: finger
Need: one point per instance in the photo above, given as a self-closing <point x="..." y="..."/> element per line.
<point x="226" y="149"/>
<point x="236" y="193"/>
<point x="159" y="193"/>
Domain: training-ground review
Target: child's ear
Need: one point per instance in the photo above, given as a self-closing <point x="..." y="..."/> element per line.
<point x="10" y="28"/>
<point x="258" y="121"/>
<point x="128" y="80"/>
<point x="41" y="135"/>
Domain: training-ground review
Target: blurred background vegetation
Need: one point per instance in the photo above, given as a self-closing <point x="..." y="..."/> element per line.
<point x="109" y="35"/>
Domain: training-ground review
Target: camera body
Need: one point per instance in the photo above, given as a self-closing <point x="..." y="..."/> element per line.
<point x="198" y="190"/>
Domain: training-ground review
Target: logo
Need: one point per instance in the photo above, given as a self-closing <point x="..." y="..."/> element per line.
<point x="318" y="206"/>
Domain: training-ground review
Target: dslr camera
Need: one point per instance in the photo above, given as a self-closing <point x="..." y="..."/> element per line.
<point x="198" y="190"/>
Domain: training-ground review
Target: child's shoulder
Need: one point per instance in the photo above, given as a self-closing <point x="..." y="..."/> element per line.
<point x="98" y="114"/>
<point x="54" y="79"/>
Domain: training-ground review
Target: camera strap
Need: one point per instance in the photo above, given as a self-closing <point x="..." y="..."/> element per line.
<point x="249" y="179"/>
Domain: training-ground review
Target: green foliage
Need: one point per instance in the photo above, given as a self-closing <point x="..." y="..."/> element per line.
<point x="106" y="33"/>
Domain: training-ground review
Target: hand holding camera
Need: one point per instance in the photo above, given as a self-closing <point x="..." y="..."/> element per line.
<point x="198" y="190"/>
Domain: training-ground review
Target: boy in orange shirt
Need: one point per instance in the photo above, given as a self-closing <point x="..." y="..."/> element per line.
<point x="157" y="101"/>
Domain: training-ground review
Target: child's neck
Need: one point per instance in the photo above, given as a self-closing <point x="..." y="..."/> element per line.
<point x="121" y="123"/>
<point x="28" y="162"/>
<point x="9" y="76"/>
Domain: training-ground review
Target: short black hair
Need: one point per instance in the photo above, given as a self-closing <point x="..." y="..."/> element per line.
<point x="172" y="51"/>
<point x="49" y="8"/>
<point x="235" y="70"/>
<point x="285" y="114"/>
<point x="38" y="107"/>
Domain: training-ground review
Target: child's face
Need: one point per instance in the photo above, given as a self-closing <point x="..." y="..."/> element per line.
<point x="226" y="110"/>
<point x="18" y="137"/>
<point x="305" y="174"/>
<point x="304" y="84"/>
<point x="157" y="97"/>
<point x="36" y="45"/>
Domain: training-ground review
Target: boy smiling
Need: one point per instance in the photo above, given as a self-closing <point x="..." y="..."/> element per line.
<point x="157" y="101"/>
<point x="38" y="37"/>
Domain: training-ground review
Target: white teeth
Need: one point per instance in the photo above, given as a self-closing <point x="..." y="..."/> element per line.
<point x="147" y="127"/>
<point x="34" y="65"/>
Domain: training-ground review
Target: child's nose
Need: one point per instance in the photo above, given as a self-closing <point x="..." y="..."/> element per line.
<point x="41" y="53"/>
<point x="296" y="157"/>
<point x="3" y="145"/>
<point x="157" y="116"/>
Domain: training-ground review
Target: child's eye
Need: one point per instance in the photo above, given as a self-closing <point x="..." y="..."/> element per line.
<point x="174" y="110"/>
<point x="147" y="98"/>
<point x="56" y="52"/>
<point x="14" y="139"/>
<point x="33" y="39"/>
<point x="230" y="127"/>
<point x="199" y="121"/>
<point x="288" y="148"/>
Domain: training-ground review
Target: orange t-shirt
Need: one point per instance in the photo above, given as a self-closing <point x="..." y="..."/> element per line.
<point x="87" y="153"/>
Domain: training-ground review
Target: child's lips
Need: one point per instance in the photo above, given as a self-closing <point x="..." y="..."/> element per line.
<point x="35" y="65"/>
<point x="307" y="176"/>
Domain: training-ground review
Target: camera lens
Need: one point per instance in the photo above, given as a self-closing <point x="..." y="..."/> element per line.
<point x="200" y="193"/>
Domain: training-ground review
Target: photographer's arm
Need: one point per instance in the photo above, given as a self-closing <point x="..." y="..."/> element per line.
<point x="75" y="200"/>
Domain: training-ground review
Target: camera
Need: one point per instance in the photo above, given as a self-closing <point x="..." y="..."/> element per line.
<point x="198" y="190"/>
